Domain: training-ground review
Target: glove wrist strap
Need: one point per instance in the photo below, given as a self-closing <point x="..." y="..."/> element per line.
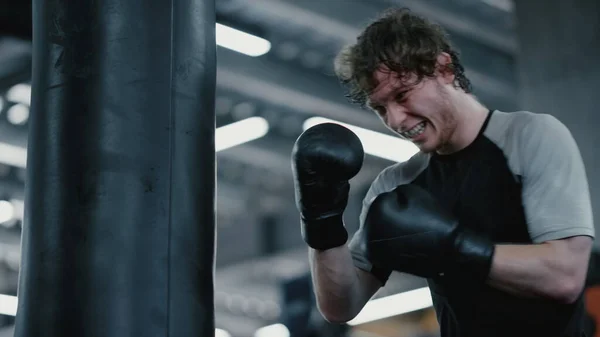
<point x="475" y="253"/>
<point x="324" y="233"/>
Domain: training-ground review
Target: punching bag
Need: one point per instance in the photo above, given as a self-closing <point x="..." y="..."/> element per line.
<point x="119" y="235"/>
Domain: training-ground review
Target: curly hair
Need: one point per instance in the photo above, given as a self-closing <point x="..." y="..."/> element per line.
<point x="404" y="43"/>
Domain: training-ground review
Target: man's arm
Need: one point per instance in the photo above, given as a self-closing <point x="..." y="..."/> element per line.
<point x="555" y="269"/>
<point x="341" y="289"/>
<point x="324" y="159"/>
<point x="559" y="217"/>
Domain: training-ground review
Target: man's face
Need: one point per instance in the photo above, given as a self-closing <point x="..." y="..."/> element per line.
<point x="419" y="112"/>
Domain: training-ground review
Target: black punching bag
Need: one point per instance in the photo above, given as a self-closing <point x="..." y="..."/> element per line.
<point x="119" y="234"/>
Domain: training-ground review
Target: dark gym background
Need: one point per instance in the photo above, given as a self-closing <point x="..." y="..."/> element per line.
<point x="538" y="55"/>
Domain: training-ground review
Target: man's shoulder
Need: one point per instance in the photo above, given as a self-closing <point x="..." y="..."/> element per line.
<point x="523" y="121"/>
<point x="512" y="130"/>
<point x="526" y="138"/>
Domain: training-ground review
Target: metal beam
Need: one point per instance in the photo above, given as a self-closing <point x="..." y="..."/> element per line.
<point x="324" y="17"/>
<point x="260" y="155"/>
<point x="12" y="188"/>
<point x="9" y="134"/>
<point x="312" y="93"/>
<point x="463" y="25"/>
<point x="289" y="88"/>
<point x="300" y="13"/>
<point x="15" y="60"/>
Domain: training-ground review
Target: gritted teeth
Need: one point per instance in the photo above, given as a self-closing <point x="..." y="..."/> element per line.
<point x="415" y="131"/>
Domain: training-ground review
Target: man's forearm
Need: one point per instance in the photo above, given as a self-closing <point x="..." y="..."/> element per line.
<point x="335" y="279"/>
<point x="539" y="270"/>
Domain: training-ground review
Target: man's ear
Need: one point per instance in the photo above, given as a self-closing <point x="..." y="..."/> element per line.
<point x="444" y="68"/>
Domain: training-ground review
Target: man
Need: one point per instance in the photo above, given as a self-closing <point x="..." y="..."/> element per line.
<point x="494" y="210"/>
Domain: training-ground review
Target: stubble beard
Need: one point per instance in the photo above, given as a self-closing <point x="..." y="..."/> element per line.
<point x="449" y="124"/>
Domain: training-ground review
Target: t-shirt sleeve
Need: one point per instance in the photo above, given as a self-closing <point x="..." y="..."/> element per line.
<point x="556" y="195"/>
<point x="382" y="183"/>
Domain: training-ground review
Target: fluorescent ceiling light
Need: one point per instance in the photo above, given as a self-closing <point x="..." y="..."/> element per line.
<point x="375" y="143"/>
<point x="226" y="137"/>
<point x="18" y="114"/>
<point x="13" y="155"/>
<point x="20" y="93"/>
<point x="8" y="305"/>
<point x="274" y="330"/>
<point x="240" y="132"/>
<point x="241" y="42"/>
<point x="7" y="211"/>
<point x="393" y="305"/>
<point x="221" y="333"/>
<point x="19" y="208"/>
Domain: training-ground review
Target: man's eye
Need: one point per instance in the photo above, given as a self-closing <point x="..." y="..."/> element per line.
<point x="401" y="97"/>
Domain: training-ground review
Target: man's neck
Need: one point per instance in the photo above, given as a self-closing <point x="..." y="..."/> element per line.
<point x="470" y="116"/>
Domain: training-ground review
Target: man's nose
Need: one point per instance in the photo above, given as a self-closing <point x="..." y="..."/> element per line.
<point x="396" y="116"/>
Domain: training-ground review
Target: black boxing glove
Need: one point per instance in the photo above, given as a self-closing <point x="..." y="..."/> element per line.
<point x="324" y="158"/>
<point x="408" y="231"/>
